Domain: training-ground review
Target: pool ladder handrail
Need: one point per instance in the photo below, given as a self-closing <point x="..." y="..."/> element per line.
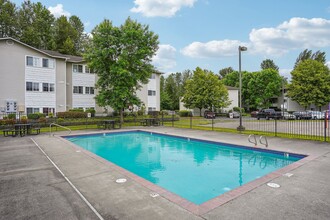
<point x="255" y="139"/>
<point x="50" y="128"/>
<point x="263" y="143"/>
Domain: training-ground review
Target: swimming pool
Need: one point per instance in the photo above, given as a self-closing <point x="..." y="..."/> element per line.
<point x="196" y="170"/>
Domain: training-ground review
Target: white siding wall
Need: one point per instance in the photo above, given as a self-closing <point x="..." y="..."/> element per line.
<point x="40" y="99"/>
<point x="83" y="100"/>
<point x="152" y="100"/>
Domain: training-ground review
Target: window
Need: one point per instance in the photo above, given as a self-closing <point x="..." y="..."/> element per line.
<point x="89" y="90"/>
<point x="153" y="76"/>
<point x="32" y="110"/>
<point x="78" y="89"/>
<point x="87" y="70"/>
<point x="29" y="61"/>
<point x="48" y="110"/>
<point x="151" y="92"/>
<point x="48" y="87"/>
<point x="45" y="62"/>
<point x="32" y="86"/>
<point x="77" y="68"/>
<point x="45" y="87"/>
<point x="151" y="109"/>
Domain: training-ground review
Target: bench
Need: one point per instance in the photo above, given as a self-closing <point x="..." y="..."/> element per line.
<point x="7" y="131"/>
<point x="35" y="131"/>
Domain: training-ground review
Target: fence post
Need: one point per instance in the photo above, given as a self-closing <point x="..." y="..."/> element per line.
<point x="172" y="120"/>
<point x="190" y="120"/>
<point x="325" y="126"/>
<point x="212" y="124"/>
<point x="275" y="126"/>
<point x="162" y="118"/>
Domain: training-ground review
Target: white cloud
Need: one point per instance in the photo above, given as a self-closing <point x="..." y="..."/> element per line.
<point x="297" y="33"/>
<point x="212" y="49"/>
<point x="161" y="8"/>
<point x="328" y="64"/>
<point x="58" y="11"/>
<point x="286" y="73"/>
<point x="165" y="57"/>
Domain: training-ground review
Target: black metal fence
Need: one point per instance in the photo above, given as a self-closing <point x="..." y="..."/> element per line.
<point x="300" y="129"/>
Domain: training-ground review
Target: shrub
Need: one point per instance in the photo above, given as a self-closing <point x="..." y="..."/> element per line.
<point x="10" y="121"/>
<point x="72" y="114"/>
<point x="153" y="114"/>
<point x="76" y="110"/>
<point x="92" y="111"/>
<point x="51" y="115"/>
<point x="24" y="120"/>
<point x="35" y="115"/>
<point x="42" y="120"/>
<point x="12" y="116"/>
<point x="237" y="109"/>
<point x="184" y="113"/>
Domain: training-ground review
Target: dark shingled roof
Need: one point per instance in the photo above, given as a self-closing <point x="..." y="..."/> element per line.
<point x="74" y="59"/>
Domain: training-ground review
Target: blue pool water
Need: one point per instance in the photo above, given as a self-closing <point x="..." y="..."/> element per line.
<point x="193" y="169"/>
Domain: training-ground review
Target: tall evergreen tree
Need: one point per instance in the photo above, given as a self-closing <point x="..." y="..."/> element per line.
<point x="8" y="19"/>
<point x="268" y="64"/>
<point x="35" y="25"/>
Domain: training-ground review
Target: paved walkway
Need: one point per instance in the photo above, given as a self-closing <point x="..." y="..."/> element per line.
<point x="31" y="188"/>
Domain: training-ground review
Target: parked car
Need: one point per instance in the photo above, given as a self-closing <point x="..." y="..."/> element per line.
<point x="268" y="114"/>
<point x="233" y="114"/>
<point x="288" y="116"/>
<point x="209" y="114"/>
<point x="254" y="114"/>
<point x="316" y="114"/>
<point x="302" y="115"/>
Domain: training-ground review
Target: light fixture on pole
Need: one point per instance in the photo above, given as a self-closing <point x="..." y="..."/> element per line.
<point x="240" y="49"/>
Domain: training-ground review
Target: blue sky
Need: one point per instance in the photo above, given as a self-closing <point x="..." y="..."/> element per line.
<point x="207" y="33"/>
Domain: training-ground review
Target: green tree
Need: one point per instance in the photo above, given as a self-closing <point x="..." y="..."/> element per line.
<point x="309" y="55"/>
<point x="65" y="36"/>
<point x="8" y="19"/>
<point x="263" y="86"/>
<point x="172" y="91"/>
<point x="35" y="25"/>
<point x="79" y="35"/>
<point x="121" y="57"/>
<point x="232" y="79"/>
<point x="310" y="83"/>
<point x="268" y="64"/>
<point x="165" y="101"/>
<point x="223" y="72"/>
<point x="205" y="90"/>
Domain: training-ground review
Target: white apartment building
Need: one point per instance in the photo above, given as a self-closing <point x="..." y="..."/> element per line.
<point x="33" y="80"/>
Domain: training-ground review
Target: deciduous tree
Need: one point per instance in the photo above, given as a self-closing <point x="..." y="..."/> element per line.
<point x="205" y="90"/>
<point x="310" y="83"/>
<point x="121" y="57"/>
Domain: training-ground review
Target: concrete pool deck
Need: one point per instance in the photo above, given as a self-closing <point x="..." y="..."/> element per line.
<point x="31" y="187"/>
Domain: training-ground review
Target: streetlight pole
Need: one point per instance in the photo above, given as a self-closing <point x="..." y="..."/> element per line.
<point x="240" y="49"/>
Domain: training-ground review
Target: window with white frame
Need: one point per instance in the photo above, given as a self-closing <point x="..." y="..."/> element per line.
<point x="29" y="61"/>
<point x="153" y="76"/>
<point x="151" y="109"/>
<point x="89" y="90"/>
<point x="46" y="110"/>
<point x="78" y="89"/>
<point x="32" y="110"/>
<point x="45" y="62"/>
<point x="32" y="86"/>
<point x="77" y="68"/>
<point x="151" y="92"/>
<point x="48" y="87"/>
